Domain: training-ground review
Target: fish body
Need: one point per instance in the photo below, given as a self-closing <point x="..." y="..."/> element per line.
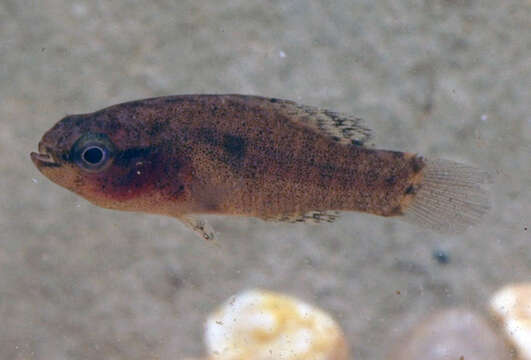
<point x="189" y="155"/>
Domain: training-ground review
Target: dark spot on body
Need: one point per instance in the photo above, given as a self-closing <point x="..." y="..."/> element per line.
<point x="357" y="142"/>
<point x="126" y="157"/>
<point x="158" y="127"/>
<point x="417" y="164"/>
<point x="410" y="190"/>
<point x="391" y="180"/>
<point x="234" y="145"/>
<point x="273" y="100"/>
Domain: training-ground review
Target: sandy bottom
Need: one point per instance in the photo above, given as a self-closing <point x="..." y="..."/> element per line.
<point x="443" y="78"/>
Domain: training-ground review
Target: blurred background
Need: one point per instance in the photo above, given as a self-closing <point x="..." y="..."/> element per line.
<point x="445" y="78"/>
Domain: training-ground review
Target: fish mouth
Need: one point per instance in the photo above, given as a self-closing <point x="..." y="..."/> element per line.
<point x="43" y="157"/>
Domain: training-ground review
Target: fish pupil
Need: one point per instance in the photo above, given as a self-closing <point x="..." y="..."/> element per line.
<point x="93" y="155"/>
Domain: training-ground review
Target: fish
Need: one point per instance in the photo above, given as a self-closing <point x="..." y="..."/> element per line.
<point x="188" y="156"/>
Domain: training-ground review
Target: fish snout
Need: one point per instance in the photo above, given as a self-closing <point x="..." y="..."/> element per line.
<point x="44" y="157"/>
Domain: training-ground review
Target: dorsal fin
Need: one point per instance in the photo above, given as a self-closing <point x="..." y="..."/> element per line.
<point x="343" y="128"/>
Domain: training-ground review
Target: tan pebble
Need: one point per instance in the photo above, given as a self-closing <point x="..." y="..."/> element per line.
<point x="262" y="325"/>
<point x="450" y="335"/>
<point x="512" y="306"/>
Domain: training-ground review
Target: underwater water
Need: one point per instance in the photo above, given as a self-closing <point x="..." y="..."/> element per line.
<point x="444" y="78"/>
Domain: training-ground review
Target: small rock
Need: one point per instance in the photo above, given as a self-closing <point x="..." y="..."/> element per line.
<point x="263" y="325"/>
<point x="512" y="307"/>
<point x="450" y="335"/>
<point x="441" y="256"/>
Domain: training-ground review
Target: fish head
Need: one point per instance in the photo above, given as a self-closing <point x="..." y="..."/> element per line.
<point x="111" y="157"/>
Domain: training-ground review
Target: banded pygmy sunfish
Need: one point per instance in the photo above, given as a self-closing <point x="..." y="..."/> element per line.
<point x="186" y="156"/>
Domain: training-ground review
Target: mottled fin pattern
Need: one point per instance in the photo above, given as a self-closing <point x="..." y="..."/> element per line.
<point x="199" y="226"/>
<point x="343" y="128"/>
<point x="449" y="197"/>
<point x="312" y="217"/>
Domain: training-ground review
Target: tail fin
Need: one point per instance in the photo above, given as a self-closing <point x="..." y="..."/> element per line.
<point x="449" y="197"/>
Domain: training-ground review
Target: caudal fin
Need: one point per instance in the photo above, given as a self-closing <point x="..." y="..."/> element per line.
<point x="449" y="197"/>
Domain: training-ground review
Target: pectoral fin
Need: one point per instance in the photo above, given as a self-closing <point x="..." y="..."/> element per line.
<point x="199" y="226"/>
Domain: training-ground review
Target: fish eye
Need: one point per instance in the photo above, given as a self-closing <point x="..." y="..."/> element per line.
<point x="93" y="155"/>
<point x="92" y="152"/>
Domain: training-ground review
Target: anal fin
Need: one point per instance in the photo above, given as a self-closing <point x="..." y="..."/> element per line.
<point x="311" y="217"/>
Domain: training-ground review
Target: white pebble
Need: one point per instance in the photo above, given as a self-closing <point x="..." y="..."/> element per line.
<point x="512" y="306"/>
<point x="263" y="325"/>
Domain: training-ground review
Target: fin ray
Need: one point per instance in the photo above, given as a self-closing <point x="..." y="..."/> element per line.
<point x="199" y="226"/>
<point x="450" y="197"/>
<point x="341" y="127"/>
<point x="311" y="217"/>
